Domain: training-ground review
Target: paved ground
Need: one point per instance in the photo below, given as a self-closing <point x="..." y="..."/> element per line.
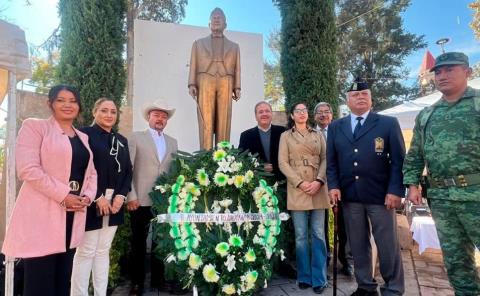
<point x="287" y="287"/>
<point x="425" y="274"/>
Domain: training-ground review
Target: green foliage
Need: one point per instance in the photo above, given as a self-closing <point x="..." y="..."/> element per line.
<point x="475" y="24"/>
<point x="273" y="85"/>
<point x="169" y="11"/>
<point x="184" y="191"/>
<point x="92" y="46"/>
<point x="44" y="73"/>
<point x="374" y="46"/>
<point x="308" y="52"/>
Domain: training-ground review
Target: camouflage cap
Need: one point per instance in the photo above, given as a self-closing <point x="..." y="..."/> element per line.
<point x="450" y="58"/>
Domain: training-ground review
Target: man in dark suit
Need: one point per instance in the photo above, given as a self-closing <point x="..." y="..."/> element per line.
<point x="264" y="139"/>
<point x="365" y="153"/>
<point x="323" y="118"/>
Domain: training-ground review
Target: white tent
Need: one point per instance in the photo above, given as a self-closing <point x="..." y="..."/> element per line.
<point x="14" y="66"/>
<point x="406" y="112"/>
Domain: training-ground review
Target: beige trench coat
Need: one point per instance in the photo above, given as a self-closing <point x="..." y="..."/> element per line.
<point x="303" y="158"/>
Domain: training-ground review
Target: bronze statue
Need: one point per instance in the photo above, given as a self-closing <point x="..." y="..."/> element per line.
<point x="214" y="80"/>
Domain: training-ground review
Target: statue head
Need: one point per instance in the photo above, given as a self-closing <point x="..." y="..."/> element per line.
<point x="218" y="21"/>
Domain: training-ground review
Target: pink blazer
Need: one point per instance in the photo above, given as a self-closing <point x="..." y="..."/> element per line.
<point x="38" y="222"/>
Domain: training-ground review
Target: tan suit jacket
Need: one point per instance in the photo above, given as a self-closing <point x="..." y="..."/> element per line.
<point x="303" y="158"/>
<point x="202" y="58"/>
<point x="146" y="164"/>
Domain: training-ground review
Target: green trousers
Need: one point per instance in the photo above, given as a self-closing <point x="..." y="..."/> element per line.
<point x="458" y="228"/>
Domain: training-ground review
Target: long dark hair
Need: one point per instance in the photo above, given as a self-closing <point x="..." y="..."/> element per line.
<point x="291" y="123"/>
<point x="53" y="94"/>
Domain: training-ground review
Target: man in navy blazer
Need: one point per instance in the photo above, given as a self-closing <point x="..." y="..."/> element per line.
<point x="264" y="139"/>
<point x="365" y="153"/>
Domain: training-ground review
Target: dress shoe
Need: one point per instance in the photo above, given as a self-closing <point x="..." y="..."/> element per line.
<point x="347" y="270"/>
<point x="319" y="290"/>
<point x="363" y="292"/>
<point x="303" y="286"/>
<point x="136" y="290"/>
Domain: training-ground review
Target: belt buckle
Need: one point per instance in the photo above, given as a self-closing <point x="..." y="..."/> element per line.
<point x="462" y="181"/>
<point x="305" y="162"/>
<point x="74" y="185"/>
<point x="449" y="182"/>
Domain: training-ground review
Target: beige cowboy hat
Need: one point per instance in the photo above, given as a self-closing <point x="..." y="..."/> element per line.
<point x="158" y="105"/>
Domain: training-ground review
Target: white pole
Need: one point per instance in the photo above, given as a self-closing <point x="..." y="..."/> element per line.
<point x="10" y="162"/>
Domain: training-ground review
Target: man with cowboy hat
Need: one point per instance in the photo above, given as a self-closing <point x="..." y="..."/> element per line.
<point x="151" y="154"/>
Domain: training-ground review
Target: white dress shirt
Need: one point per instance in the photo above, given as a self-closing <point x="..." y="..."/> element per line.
<point x="324" y="131"/>
<point x="160" y="144"/>
<point x="353" y="119"/>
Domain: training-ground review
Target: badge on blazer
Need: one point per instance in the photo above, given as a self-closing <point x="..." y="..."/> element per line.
<point x="379" y="145"/>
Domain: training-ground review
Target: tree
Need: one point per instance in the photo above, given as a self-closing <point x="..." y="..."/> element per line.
<point x="373" y="45"/>
<point x="308" y="51"/>
<point x="475" y="24"/>
<point x="44" y="72"/>
<point x="170" y="11"/>
<point x="92" y="47"/>
<point x="475" y="71"/>
<point x="273" y="88"/>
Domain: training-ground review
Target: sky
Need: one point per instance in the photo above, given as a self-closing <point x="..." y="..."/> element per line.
<point x="433" y="18"/>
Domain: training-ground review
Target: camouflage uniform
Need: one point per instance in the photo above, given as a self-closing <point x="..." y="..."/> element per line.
<point x="447" y="140"/>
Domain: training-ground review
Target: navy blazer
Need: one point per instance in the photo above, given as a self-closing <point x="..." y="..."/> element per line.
<point x="250" y="139"/>
<point x="107" y="167"/>
<point x="367" y="168"/>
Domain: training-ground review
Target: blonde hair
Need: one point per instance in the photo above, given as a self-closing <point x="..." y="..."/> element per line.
<point x="97" y="104"/>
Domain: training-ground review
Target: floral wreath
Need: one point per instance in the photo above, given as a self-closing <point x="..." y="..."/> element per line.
<point x="218" y="258"/>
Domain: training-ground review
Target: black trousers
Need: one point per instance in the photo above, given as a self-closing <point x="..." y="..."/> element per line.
<point x="50" y="275"/>
<point x="140" y="222"/>
<point x="342" y="236"/>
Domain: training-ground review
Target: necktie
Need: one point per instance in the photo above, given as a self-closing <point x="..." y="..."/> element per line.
<point x="357" y="127"/>
<point x="324" y="133"/>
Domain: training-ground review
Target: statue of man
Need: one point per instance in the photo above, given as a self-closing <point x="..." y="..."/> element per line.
<point x="214" y="80"/>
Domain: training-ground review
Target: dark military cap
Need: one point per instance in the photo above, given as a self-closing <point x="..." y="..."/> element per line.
<point x="450" y="58"/>
<point x="358" y="85"/>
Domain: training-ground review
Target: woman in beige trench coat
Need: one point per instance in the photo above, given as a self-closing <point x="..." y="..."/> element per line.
<point x="302" y="159"/>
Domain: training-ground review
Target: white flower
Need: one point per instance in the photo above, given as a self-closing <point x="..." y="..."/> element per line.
<point x="282" y="255"/>
<point x="236" y="166"/>
<point x="228" y="289"/>
<point x="231" y="158"/>
<point x="210" y="274"/>
<point x="171" y="258"/>
<point x="224" y="166"/>
<point x="225" y="203"/>
<point x="230" y="263"/>
<point x="216" y="207"/>
<point x="261" y="230"/>
<point x="228" y="228"/>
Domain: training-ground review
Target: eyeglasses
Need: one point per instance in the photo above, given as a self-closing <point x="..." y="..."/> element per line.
<point x="300" y="111"/>
<point x="323" y="112"/>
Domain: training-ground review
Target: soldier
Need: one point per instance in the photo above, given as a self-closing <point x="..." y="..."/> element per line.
<point x="446" y="139"/>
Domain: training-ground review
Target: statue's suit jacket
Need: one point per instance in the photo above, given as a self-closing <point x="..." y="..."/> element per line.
<point x="202" y="58"/>
<point x="146" y="164"/>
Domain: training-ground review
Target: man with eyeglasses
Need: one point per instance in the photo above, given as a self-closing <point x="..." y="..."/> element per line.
<point x="446" y="140"/>
<point x="323" y="118"/>
<point x="365" y="153"/>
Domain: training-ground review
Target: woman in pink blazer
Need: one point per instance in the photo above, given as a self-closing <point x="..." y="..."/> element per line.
<point x="55" y="164"/>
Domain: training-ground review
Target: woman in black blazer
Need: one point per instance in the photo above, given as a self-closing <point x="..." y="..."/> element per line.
<point x="114" y="169"/>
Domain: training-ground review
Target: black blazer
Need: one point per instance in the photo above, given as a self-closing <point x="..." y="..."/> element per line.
<point x="367" y="168"/>
<point x="107" y="171"/>
<point x="250" y="140"/>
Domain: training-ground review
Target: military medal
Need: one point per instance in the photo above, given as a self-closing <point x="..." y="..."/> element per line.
<point x="379" y="145"/>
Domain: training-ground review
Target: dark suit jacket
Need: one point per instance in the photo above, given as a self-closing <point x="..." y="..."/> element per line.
<point x="250" y="139"/>
<point x="107" y="170"/>
<point x="369" y="167"/>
